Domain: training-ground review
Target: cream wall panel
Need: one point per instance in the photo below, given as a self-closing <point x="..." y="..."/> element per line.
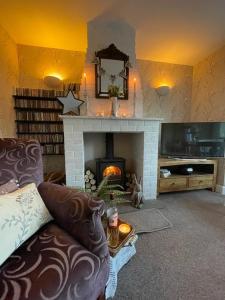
<point x="8" y="81"/>
<point x="208" y="102"/>
<point x="37" y="62"/>
<point x="176" y="106"/>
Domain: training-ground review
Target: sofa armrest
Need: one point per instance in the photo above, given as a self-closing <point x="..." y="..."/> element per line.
<point x="78" y="213"/>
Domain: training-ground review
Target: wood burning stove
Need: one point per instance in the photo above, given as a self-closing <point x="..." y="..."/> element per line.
<point x="110" y="165"/>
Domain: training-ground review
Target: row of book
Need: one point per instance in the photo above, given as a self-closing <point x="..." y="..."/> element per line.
<point x="37" y="116"/>
<point x="44" y="138"/>
<point x="38" y="93"/>
<point x="40" y="128"/>
<point x="38" y="103"/>
<point x="53" y="149"/>
<point x="75" y="87"/>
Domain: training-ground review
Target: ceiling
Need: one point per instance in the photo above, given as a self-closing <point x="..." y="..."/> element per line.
<point x="174" y="31"/>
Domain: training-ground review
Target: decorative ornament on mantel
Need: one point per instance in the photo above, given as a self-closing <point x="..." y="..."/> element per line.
<point x="114" y="92"/>
<point x="70" y="103"/>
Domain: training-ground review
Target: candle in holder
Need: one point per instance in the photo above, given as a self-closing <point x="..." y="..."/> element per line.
<point x="85" y="81"/>
<point x="135" y="86"/>
<point x="124" y="229"/>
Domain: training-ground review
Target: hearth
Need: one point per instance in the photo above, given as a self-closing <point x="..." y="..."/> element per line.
<point x="110" y="165"/>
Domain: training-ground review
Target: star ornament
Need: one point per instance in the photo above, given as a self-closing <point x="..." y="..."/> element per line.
<point x="70" y="103"/>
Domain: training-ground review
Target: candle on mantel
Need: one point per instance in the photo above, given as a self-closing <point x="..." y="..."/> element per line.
<point x="124" y="229"/>
<point x="134" y="99"/>
<point x="135" y="80"/>
<point x="85" y="81"/>
<point x="100" y="114"/>
<point x="124" y="115"/>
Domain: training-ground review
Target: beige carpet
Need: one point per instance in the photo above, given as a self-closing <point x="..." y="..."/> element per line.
<point x="147" y="220"/>
<point x="185" y="262"/>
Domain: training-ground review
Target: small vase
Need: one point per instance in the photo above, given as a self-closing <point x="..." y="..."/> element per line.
<point x="115" y="106"/>
<point x="112" y="228"/>
<point x="112" y="215"/>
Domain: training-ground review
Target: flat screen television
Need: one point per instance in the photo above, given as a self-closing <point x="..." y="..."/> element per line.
<point x="205" y="139"/>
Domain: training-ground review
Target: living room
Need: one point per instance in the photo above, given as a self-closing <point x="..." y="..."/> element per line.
<point x="131" y="92"/>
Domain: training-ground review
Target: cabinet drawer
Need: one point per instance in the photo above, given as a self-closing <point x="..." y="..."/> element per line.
<point x="206" y="181"/>
<point x="172" y="184"/>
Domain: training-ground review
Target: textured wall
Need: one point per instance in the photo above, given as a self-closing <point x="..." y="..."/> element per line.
<point x="175" y="107"/>
<point x="37" y="62"/>
<point x="8" y="81"/>
<point x="101" y="33"/>
<point x="209" y="88"/>
<point x="209" y="94"/>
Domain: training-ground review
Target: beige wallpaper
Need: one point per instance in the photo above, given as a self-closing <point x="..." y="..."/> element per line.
<point x="8" y="81"/>
<point x="208" y="101"/>
<point x="37" y="62"/>
<point x="175" y="107"/>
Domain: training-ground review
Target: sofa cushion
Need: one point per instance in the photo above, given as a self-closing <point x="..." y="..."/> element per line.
<point x="52" y="265"/>
<point x="9" y="187"/>
<point x="22" y="213"/>
<point x="22" y="160"/>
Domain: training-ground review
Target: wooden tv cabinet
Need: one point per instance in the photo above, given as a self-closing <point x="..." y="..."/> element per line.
<point x="204" y="175"/>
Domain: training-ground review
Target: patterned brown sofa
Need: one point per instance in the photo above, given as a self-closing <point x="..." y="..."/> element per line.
<point x="67" y="258"/>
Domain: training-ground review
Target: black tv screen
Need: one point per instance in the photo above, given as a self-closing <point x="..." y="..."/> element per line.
<point x="206" y="139"/>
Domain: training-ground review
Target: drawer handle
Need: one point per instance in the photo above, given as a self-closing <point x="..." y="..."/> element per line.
<point x="173" y="183"/>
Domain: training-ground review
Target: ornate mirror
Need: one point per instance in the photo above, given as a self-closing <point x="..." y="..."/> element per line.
<point x="111" y="68"/>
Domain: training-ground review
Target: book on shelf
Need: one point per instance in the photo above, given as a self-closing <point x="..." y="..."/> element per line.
<point x="40" y="128"/>
<point x="37" y="117"/>
<point x="53" y="149"/>
<point x="44" y="138"/>
<point x="27" y="92"/>
<point x="37" y="104"/>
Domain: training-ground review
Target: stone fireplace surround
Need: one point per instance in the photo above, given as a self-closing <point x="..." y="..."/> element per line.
<point x="146" y="146"/>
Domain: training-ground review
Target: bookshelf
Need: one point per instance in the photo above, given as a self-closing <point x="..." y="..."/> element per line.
<point x="37" y="117"/>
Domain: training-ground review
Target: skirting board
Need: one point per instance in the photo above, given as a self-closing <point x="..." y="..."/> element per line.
<point x="220" y="189"/>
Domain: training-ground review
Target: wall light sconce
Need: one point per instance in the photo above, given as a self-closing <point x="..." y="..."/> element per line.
<point x="163" y="90"/>
<point x="52" y="81"/>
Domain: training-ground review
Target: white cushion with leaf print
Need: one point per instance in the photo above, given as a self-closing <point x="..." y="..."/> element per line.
<point x="22" y="213"/>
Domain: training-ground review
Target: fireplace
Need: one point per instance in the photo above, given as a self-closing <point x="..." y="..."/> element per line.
<point x="110" y="165"/>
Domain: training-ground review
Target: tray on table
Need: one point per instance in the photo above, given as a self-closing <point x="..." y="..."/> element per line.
<point x="123" y="239"/>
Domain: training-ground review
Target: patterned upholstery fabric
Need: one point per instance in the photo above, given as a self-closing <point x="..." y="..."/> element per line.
<point x="67" y="259"/>
<point x="21" y="160"/>
<point x="52" y="265"/>
<point x="78" y="213"/>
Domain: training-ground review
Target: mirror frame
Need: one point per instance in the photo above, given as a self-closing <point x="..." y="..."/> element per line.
<point x="111" y="53"/>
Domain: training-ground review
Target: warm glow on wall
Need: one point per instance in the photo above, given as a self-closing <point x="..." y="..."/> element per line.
<point x="163" y="83"/>
<point x="55" y="74"/>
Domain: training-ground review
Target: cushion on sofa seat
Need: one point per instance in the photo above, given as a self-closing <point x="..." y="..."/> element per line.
<point x="52" y="265"/>
<point x="22" y="213"/>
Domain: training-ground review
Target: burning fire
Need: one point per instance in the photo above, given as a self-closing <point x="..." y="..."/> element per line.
<point x="112" y="170"/>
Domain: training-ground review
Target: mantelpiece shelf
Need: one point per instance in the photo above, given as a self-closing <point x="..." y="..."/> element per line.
<point x="204" y="176"/>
